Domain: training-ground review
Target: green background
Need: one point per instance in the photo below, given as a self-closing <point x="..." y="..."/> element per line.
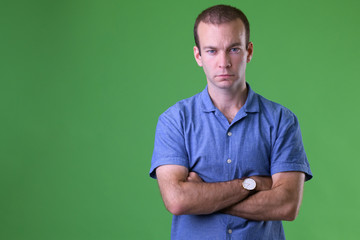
<point x="83" y="83"/>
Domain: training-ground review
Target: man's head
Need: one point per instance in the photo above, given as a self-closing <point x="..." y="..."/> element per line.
<point x="221" y="14"/>
<point x="223" y="48"/>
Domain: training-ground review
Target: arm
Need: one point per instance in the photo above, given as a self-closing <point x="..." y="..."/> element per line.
<point x="281" y="202"/>
<point x="188" y="194"/>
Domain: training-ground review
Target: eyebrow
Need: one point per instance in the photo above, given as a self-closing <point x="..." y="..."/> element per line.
<point x="232" y="45"/>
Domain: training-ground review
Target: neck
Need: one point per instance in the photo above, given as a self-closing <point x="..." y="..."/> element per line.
<point x="229" y="101"/>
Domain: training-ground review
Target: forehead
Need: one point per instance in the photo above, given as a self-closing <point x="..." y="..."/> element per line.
<point x="229" y="32"/>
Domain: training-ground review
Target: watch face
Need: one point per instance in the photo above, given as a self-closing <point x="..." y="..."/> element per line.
<point x="249" y="184"/>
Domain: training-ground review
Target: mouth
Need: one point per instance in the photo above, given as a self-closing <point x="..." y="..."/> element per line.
<point x="225" y="75"/>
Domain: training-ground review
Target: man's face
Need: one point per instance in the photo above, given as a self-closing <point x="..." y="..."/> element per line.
<point x="223" y="54"/>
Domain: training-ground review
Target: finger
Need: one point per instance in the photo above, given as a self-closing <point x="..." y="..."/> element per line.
<point x="193" y="174"/>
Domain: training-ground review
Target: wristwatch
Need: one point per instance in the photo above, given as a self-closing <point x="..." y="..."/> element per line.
<point x="249" y="184"/>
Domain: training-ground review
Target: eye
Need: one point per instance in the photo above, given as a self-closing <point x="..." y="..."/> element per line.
<point x="211" y="51"/>
<point x="234" y="50"/>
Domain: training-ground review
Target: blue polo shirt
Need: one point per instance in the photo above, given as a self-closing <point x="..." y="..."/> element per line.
<point x="263" y="139"/>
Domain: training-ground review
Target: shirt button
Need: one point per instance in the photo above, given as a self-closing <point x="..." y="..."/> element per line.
<point x="230" y="231"/>
<point x="229" y="134"/>
<point x="229" y="160"/>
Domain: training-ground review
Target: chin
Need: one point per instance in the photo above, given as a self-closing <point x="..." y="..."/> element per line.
<point x="226" y="82"/>
<point x="225" y="85"/>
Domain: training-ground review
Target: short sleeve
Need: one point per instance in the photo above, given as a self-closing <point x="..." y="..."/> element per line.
<point x="288" y="152"/>
<point x="169" y="146"/>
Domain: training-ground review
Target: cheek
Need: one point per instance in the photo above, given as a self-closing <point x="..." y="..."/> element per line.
<point x="240" y="61"/>
<point x="210" y="62"/>
<point x="207" y="65"/>
<point x="205" y="68"/>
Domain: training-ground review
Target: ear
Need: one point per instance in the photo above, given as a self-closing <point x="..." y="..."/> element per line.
<point x="197" y="56"/>
<point x="250" y="51"/>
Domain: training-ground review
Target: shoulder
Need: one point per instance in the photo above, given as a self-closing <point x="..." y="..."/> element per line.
<point x="183" y="108"/>
<point x="275" y="111"/>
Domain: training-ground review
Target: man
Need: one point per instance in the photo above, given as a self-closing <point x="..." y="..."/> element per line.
<point x="230" y="164"/>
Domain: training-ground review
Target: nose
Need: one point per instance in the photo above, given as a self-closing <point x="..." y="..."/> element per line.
<point x="224" y="60"/>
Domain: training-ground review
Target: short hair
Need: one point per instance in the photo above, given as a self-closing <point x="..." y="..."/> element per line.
<point x="219" y="14"/>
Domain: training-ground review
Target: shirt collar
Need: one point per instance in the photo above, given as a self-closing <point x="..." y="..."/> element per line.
<point x="251" y="104"/>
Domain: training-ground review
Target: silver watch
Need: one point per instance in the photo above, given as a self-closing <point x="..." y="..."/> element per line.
<point x="249" y="184"/>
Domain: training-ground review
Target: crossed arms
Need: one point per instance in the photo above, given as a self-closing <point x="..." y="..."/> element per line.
<point x="276" y="198"/>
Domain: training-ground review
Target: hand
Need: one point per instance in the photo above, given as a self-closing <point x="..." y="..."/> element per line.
<point x="263" y="183"/>
<point x="194" y="177"/>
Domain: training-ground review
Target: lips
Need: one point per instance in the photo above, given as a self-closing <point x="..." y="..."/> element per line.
<point x="225" y="75"/>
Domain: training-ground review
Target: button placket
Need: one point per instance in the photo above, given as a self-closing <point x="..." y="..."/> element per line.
<point x="229" y="160"/>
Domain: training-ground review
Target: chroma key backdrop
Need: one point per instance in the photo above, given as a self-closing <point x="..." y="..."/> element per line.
<point x="82" y="84"/>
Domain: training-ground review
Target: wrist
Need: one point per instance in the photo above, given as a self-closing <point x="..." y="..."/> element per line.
<point x="249" y="184"/>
